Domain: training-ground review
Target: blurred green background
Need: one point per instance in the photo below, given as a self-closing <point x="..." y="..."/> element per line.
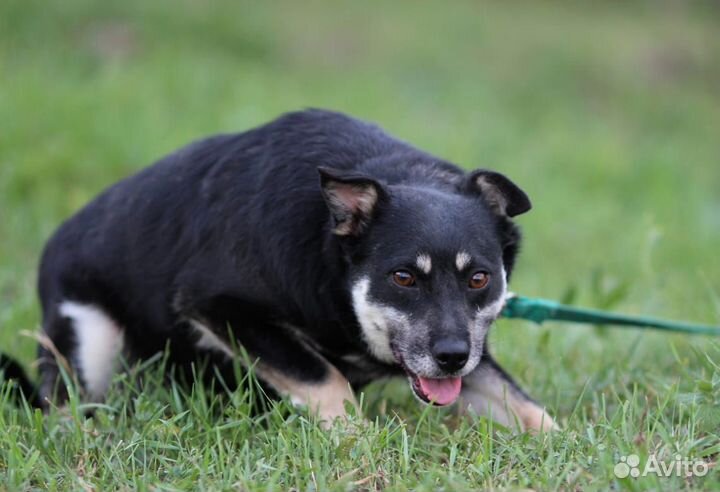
<point x="606" y="113"/>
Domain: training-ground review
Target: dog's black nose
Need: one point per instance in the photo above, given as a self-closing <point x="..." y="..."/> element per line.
<point x="451" y="354"/>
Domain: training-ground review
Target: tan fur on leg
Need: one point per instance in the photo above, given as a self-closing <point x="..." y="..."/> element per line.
<point x="326" y="398"/>
<point x="487" y="392"/>
<point x="534" y="417"/>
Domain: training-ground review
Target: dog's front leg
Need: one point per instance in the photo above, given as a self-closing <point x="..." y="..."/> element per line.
<point x="324" y="396"/>
<point x="282" y="359"/>
<point x="489" y="390"/>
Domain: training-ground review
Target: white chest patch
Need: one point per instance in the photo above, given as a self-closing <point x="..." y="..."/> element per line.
<point x="375" y="321"/>
<point x="99" y="342"/>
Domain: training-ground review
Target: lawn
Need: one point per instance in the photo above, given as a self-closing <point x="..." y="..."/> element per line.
<point x="607" y="114"/>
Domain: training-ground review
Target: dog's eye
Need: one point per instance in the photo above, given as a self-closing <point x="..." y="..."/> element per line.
<point x="403" y="278"/>
<point x="479" y="280"/>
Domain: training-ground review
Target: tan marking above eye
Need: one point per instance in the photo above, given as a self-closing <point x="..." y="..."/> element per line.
<point x="403" y="278"/>
<point x="462" y="260"/>
<point x="424" y="263"/>
<point x="479" y="280"/>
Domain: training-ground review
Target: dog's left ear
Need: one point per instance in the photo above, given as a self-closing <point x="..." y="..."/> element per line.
<point x="351" y="198"/>
<point x="503" y="196"/>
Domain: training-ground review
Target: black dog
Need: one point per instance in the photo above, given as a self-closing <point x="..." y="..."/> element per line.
<point x="331" y="252"/>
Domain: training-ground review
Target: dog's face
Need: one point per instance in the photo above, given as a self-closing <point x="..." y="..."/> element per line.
<point x="427" y="270"/>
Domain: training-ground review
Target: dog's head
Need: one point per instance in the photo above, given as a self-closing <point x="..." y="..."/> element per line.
<point x="427" y="268"/>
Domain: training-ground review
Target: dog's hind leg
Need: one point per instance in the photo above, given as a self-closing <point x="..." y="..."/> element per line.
<point x="490" y="391"/>
<point x="86" y="341"/>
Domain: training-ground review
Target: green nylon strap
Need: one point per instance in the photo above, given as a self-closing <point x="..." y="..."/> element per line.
<point x="539" y="310"/>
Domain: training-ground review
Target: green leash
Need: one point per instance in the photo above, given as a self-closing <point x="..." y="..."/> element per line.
<point x="539" y="310"/>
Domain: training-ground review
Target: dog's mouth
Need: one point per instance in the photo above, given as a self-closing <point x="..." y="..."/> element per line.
<point x="438" y="391"/>
<point x="435" y="391"/>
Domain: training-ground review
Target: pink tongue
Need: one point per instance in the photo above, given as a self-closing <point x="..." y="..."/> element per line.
<point x="441" y="391"/>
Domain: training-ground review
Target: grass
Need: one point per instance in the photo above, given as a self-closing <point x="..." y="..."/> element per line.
<point x="607" y="114"/>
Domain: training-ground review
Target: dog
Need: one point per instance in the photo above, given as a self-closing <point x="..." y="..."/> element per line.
<point x="330" y="252"/>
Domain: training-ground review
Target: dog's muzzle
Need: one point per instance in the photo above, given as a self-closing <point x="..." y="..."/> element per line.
<point x="436" y="391"/>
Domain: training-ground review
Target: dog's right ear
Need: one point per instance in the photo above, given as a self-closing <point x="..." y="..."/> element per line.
<point x="351" y="198"/>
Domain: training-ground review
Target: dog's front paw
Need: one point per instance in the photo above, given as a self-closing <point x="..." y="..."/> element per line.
<point x="535" y="419"/>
